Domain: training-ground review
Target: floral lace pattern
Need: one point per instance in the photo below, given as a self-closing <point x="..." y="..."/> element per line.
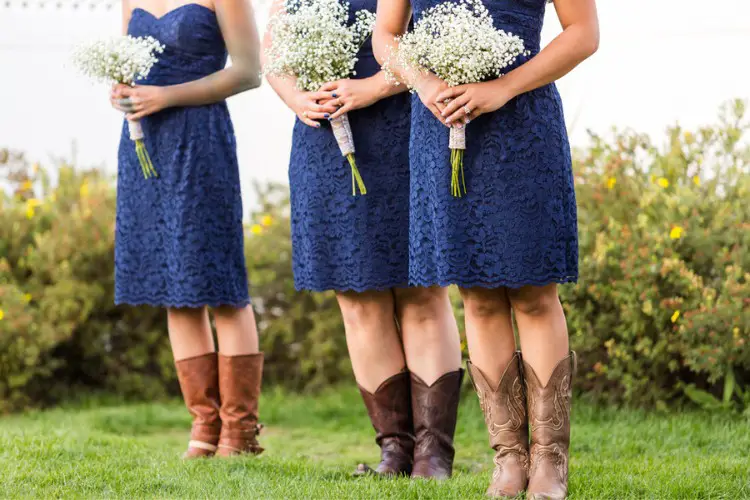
<point x="179" y="238"/>
<point x="517" y="225"/>
<point x="342" y="242"/>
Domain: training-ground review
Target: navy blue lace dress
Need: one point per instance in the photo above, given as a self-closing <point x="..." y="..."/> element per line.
<point x="179" y="238"/>
<point x="517" y="224"/>
<point x="342" y="242"/>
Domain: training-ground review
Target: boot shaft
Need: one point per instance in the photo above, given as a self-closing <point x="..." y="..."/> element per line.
<point x="435" y="409"/>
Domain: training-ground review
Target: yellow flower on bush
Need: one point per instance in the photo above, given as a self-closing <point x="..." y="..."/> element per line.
<point x="675" y="316"/>
<point x="84" y="190"/>
<point x="676" y="233"/>
<point x="611" y="183"/>
<point x="696" y="180"/>
<point x="27" y="297"/>
<point x="663" y="182"/>
<point x="266" y="221"/>
<point x="27" y="185"/>
<point x="30" y="212"/>
<point x="256" y="229"/>
<point x="2" y="314"/>
<point x="33" y="203"/>
<point x="689" y="137"/>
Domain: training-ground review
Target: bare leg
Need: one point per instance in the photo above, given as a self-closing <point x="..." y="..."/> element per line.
<point x="189" y="333"/>
<point x="236" y="330"/>
<point x="428" y="328"/>
<point x="541" y="327"/>
<point x="372" y="336"/>
<point x="489" y="330"/>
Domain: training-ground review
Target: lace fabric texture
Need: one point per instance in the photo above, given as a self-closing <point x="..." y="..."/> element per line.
<point x="342" y="242"/>
<point x="179" y="238"/>
<point x="517" y="225"/>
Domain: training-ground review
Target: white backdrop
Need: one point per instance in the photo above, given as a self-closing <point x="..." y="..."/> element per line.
<point x="660" y="62"/>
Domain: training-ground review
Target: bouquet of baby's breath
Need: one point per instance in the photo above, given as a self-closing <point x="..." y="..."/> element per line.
<point x="123" y="59"/>
<point x="458" y="42"/>
<point x="312" y="41"/>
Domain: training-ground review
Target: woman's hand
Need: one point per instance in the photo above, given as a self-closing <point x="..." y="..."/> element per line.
<point x="429" y="87"/>
<point x="467" y="102"/>
<point x="349" y="94"/>
<point x="311" y="106"/>
<point x="139" y="101"/>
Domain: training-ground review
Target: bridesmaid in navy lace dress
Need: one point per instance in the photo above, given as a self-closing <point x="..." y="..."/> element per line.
<point x="358" y="246"/>
<point x="512" y="238"/>
<point x="179" y="238"/>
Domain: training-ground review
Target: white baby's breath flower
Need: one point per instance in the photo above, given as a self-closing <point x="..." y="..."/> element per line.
<point x="458" y="42"/>
<point x="312" y="41"/>
<point x="122" y="59"/>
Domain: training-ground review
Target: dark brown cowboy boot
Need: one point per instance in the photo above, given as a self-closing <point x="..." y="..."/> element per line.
<point x="435" y="409"/>
<point x="389" y="408"/>
<point x="549" y="416"/>
<point x="239" y="382"/>
<point x="504" y="409"/>
<point x="199" y="382"/>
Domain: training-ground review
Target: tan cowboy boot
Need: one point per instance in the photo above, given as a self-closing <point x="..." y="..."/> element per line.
<point x="389" y="408"/>
<point x="199" y="382"/>
<point x="504" y="409"/>
<point x="239" y="381"/>
<point x="435" y="410"/>
<point x="549" y="416"/>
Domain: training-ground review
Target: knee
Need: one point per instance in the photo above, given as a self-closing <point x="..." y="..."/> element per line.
<point x="534" y="301"/>
<point x="185" y="314"/>
<point x="358" y="310"/>
<point x="229" y="313"/>
<point x="422" y="304"/>
<point x="481" y="303"/>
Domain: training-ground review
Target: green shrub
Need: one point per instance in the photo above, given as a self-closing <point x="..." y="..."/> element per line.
<point x="661" y="313"/>
<point x="663" y="302"/>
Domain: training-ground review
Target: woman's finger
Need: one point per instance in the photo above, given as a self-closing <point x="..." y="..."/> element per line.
<point x="136" y="116"/>
<point x="435" y="111"/>
<point x="329" y="86"/>
<point x="342" y="110"/>
<point x="320" y="108"/>
<point x="317" y="96"/>
<point x="459" y="112"/>
<point x="456" y="105"/>
<point x="315" y="115"/>
<point x="450" y="93"/>
<point x="309" y="122"/>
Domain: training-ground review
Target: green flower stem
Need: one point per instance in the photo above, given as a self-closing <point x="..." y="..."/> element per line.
<point x="357" y="181"/>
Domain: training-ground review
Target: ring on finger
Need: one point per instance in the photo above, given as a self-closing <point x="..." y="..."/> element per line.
<point x="467" y="110"/>
<point x="304" y="114"/>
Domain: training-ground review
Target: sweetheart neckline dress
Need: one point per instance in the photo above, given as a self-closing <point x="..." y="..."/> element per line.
<point x="179" y="238"/>
<point x="339" y="241"/>
<point x="517" y="224"/>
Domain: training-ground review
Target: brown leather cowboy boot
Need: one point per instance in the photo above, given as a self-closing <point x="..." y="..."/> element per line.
<point x="389" y="408"/>
<point x="435" y="410"/>
<point x="199" y="382"/>
<point x="239" y="383"/>
<point x="504" y="409"/>
<point x="549" y="416"/>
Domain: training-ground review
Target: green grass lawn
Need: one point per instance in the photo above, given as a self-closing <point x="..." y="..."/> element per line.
<point x="313" y="444"/>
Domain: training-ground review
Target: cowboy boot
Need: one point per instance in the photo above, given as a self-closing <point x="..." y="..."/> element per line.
<point x="389" y="408"/>
<point x="549" y="417"/>
<point x="435" y="409"/>
<point x="504" y="409"/>
<point x="239" y="383"/>
<point x="199" y="383"/>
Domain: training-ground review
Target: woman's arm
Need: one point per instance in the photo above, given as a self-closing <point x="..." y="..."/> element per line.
<point x="240" y="33"/>
<point x="578" y="41"/>
<point x="304" y="104"/>
<point x="126" y="13"/>
<point x="393" y="20"/>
